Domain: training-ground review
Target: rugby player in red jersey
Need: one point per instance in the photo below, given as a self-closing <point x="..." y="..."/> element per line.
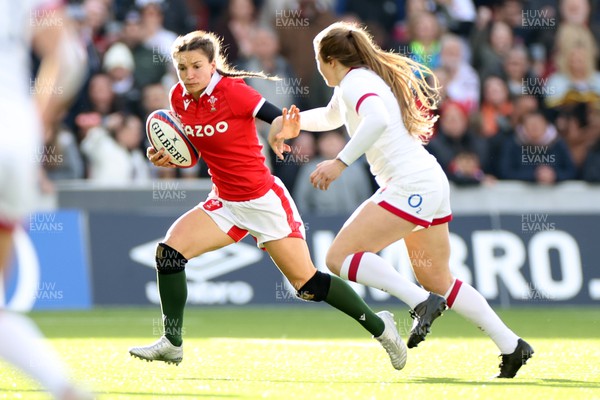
<point x="218" y="112"/>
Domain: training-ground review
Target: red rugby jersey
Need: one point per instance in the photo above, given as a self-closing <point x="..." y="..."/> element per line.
<point x="221" y="126"/>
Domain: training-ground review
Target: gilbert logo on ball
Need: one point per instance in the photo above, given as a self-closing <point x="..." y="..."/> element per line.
<point x="164" y="130"/>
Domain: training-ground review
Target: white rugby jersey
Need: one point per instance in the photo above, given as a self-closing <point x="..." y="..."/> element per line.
<point x="366" y="105"/>
<point x="22" y="132"/>
<point x="17" y="19"/>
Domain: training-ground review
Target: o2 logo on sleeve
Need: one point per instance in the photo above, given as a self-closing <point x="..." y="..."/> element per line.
<point x="205" y="130"/>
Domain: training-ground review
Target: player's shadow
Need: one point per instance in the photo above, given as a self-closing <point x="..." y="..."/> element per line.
<point x="551" y="382"/>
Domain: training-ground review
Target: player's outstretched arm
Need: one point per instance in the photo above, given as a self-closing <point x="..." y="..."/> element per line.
<point x="63" y="65"/>
<point x="286" y="126"/>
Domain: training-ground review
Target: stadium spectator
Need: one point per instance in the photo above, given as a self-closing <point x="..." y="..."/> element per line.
<point x="179" y="16"/>
<point x="461" y="82"/>
<point x="120" y="66"/>
<point x="101" y="97"/>
<point x="496" y="108"/>
<point x="518" y="76"/>
<point x="62" y="159"/>
<point x="374" y="12"/>
<point x="458" y="15"/>
<point x="459" y="151"/>
<point x="89" y="20"/>
<point x="154" y="97"/>
<point x="150" y="66"/>
<point x="536" y="153"/>
<point x="579" y="126"/>
<point x="581" y="12"/>
<point x="283" y="93"/>
<point x="95" y="19"/>
<point x="113" y="151"/>
<point x="490" y="48"/>
<point x="344" y="195"/>
<point x="424" y="46"/>
<point x="575" y="12"/>
<point x="521" y="105"/>
<point x="591" y="168"/>
<point x="100" y="102"/>
<point x="577" y="79"/>
<point x="296" y="23"/>
<point x="270" y="9"/>
<point x="156" y="36"/>
<point x="265" y="57"/>
<point x="533" y="57"/>
<point x="514" y="14"/>
<point x="545" y="41"/>
<point x="235" y="27"/>
<point x="400" y="35"/>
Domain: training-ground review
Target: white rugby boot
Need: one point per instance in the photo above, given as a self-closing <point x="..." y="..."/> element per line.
<point x="391" y="341"/>
<point x="161" y="350"/>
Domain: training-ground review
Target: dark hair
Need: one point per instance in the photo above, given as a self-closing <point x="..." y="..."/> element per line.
<point x="210" y="44"/>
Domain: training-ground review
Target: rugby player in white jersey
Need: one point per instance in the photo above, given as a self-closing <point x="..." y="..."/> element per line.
<point x="29" y="108"/>
<point x="384" y="101"/>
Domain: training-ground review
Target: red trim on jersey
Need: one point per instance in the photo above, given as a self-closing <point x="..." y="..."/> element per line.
<point x="362" y="98"/>
<point x="285" y="202"/>
<point x="404" y="215"/>
<point x="354" y="263"/>
<point x="453" y="293"/>
<point x="351" y="69"/>
<point x="237" y="233"/>
<point x="7" y="226"/>
<point x="439" y="221"/>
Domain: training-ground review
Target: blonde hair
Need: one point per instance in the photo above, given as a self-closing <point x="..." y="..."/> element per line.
<point x="353" y="46"/>
<point x="570" y="37"/>
<point x="210" y="44"/>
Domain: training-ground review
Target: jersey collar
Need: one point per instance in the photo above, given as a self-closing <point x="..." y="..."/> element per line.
<point x="347" y="73"/>
<point x="214" y="79"/>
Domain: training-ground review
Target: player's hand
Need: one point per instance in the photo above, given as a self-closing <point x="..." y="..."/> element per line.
<point x="287" y="126"/>
<point x="291" y="122"/>
<point x="159" y="158"/>
<point x="326" y="172"/>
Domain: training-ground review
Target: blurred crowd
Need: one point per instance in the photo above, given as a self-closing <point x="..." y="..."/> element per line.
<point x="520" y="85"/>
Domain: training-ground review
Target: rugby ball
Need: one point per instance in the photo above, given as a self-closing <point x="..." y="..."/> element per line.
<point x="165" y="130"/>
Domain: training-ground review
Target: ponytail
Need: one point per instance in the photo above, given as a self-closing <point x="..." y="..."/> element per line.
<point x="352" y="46"/>
<point x="210" y="44"/>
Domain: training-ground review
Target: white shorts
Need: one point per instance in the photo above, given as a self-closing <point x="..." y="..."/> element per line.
<point x="270" y="217"/>
<point x="422" y="198"/>
<point x="19" y="163"/>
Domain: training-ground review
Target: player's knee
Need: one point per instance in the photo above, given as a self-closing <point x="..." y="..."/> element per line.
<point x="169" y="260"/>
<point x="316" y="288"/>
<point x="436" y="284"/>
<point x="334" y="261"/>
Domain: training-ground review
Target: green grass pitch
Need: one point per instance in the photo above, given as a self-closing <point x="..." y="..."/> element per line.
<point x="313" y="352"/>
